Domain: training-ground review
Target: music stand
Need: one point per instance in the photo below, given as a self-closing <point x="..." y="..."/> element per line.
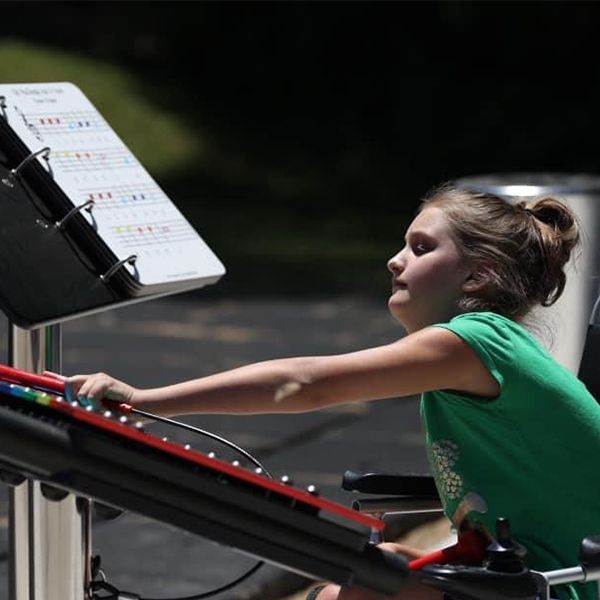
<point x="85" y="229"/>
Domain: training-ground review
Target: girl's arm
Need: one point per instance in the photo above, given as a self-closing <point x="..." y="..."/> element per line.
<point x="432" y="358"/>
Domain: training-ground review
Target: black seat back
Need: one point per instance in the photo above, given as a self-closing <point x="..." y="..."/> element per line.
<point x="589" y="368"/>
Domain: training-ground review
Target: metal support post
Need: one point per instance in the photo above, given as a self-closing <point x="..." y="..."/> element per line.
<point x="50" y="539"/>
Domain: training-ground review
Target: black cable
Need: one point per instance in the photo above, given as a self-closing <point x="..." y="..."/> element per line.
<point x="223" y="588"/>
<point x="203" y="432"/>
<point x="116" y="593"/>
<point x="231" y="445"/>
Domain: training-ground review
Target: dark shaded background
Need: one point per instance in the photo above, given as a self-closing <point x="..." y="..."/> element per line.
<point x="328" y="120"/>
<point x="322" y="123"/>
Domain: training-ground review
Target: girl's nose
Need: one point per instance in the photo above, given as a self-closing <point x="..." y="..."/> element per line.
<point x="395" y="264"/>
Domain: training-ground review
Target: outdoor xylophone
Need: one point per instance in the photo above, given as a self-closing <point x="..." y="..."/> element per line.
<point x="105" y="455"/>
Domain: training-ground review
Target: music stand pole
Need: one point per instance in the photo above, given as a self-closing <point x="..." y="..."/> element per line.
<point x="49" y="532"/>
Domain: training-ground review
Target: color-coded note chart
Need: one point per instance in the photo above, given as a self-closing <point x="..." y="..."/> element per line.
<point x="89" y="161"/>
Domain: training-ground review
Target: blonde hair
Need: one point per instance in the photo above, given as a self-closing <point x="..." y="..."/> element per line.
<point x="518" y="250"/>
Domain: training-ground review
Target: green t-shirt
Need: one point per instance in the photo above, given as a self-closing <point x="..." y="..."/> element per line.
<point x="530" y="454"/>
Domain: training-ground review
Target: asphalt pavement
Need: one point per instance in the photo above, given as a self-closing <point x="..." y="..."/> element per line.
<point x="170" y="340"/>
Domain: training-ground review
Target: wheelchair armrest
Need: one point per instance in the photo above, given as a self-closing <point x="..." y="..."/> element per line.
<point x="402" y="505"/>
<point x="391" y="484"/>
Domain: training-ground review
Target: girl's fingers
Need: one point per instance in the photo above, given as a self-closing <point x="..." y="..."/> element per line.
<point x="77" y="382"/>
<point x="94" y="388"/>
<point x="82" y="385"/>
<point x="101" y="386"/>
<point x="91" y="389"/>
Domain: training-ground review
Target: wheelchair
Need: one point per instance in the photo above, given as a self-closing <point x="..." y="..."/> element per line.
<point x="454" y="570"/>
<point x="499" y="572"/>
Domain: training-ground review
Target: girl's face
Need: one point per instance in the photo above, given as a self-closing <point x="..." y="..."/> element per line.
<point x="428" y="274"/>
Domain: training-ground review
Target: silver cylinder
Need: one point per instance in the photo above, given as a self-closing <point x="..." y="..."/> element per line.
<point x="49" y="539"/>
<point x="568" y="575"/>
<point x="567" y="320"/>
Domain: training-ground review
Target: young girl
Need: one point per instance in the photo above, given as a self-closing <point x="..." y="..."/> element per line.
<point x="509" y="431"/>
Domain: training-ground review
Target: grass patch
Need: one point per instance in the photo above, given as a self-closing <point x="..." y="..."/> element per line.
<point x="160" y="139"/>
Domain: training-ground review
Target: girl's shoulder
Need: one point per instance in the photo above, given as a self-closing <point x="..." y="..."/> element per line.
<point x="495" y="334"/>
<point x="506" y="348"/>
<point x="486" y="317"/>
<point x="489" y="323"/>
<point x="485" y="322"/>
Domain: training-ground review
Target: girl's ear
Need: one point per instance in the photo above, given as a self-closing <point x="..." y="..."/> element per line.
<point x="477" y="280"/>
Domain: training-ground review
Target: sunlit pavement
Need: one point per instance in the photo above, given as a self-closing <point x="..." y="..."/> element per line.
<point x="166" y="341"/>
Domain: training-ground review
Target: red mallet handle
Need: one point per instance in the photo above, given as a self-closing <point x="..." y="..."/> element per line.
<point x="468" y="550"/>
<point x="19" y="377"/>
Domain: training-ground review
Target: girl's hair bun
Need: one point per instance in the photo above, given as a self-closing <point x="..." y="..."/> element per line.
<point x="558" y="234"/>
<point x="557" y="216"/>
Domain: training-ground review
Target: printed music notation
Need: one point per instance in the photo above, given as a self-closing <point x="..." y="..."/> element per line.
<point x="152" y="234"/>
<point x="89" y="161"/>
<point x="46" y="125"/>
<point x="141" y="195"/>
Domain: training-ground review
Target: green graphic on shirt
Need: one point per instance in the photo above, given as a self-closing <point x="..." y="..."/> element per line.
<point x="443" y="456"/>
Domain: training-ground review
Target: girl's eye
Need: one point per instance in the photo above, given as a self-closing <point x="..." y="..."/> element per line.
<point x="421" y="248"/>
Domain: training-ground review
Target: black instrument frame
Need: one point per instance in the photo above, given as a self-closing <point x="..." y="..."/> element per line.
<point x="88" y="454"/>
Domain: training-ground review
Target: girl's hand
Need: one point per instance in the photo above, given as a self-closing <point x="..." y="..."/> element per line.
<point x="100" y="386"/>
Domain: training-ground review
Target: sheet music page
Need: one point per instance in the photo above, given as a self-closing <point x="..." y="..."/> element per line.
<point x="89" y="161"/>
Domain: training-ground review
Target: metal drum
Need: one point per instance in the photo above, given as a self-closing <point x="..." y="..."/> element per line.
<point x="563" y="326"/>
